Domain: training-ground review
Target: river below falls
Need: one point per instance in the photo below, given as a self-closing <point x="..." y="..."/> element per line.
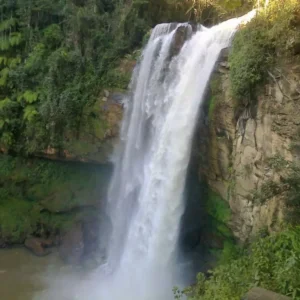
<point x="24" y="276"/>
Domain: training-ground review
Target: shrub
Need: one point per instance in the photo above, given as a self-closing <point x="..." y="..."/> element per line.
<point x="250" y="59"/>
<point x="257" y="44"/>
<point x="272" y="263"/>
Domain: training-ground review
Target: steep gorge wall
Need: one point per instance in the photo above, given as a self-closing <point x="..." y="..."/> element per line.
<point x="235" y="145"/>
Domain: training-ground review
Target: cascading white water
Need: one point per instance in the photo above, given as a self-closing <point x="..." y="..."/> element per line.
<point x="146" y="197"/>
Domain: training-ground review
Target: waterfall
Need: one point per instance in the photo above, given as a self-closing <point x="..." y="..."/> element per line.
<point x="146" y="197"/>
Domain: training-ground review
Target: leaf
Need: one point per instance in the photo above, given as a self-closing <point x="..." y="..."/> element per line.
<point x="2" y="123"/>
<point x="15" y="38"/>
<point x="5" y="103"/>
<point x="29" y="113"/>
<point x="3" y="76"/>
<point x="13" y="62"/>
<point x="29" y="97"/>
<point x="3" y="60"/>
<point x="8" y="24"/>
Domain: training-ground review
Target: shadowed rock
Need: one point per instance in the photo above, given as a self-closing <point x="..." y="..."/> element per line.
<point x="71" y="249"/>
<point x="39" y="246"/>
<point x="182" y="34"/>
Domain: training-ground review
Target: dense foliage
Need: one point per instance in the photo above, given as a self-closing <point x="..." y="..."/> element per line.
<point x="272" y="262"/>
<point x="271" y="33"/>
<point x="57" y="56"/>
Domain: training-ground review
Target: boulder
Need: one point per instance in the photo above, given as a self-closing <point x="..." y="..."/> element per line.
<point x="181" y="35"/>
<point x="71" y="248"/>
<point x="224" y="55"/>
<point x="2" y="243"/>
<point x="39" y="246"/>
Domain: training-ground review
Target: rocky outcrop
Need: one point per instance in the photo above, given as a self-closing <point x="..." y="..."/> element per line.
<point x="81" y="242"/>
<point x="236" y="145"/>
<point x="262" y="294"/>
<point x="39" y="246"/>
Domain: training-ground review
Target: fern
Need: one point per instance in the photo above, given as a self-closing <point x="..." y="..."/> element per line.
<point x="29" y="97"/>
<point x="13" y="62"/>
<point x="3" y="60"/>
<point x="5" y="103"/>
<point x="15" y="38"/>
<point x="29" y="113"/>
<point x="3" y="76"/>
<point x="3" y="122"/>
<point x="4" y="43"/>
<point x="8" y="24"/>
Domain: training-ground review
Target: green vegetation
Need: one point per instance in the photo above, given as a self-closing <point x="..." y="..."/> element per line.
<point x="217" y="208"/>
<point x="287" y="186"/>
<point x="272" y="262"/>
<point x="266" y="191"/>
<point x="257" y="44"/>
<point x="42" y="197"/>
<point x="219" y="215"/>
<point x="56" y="56"/>
<point x="216" y="91"/>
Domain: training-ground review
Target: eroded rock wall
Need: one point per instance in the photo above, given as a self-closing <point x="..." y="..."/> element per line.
<point x="237" y="143"/>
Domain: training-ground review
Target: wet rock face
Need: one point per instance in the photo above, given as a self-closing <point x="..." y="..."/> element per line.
<point x="81" y="241"/>
<point x="71" y="249"/>
<point x="91" y="241"/>
<point x="235" y="146"/>
<point x="182" y="34"/>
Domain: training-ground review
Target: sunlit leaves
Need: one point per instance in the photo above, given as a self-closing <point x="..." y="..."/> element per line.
<point x="8" y="24"/>
<point x="28" y="96"/>
<point x="11" y="40"/>
<point x="35" y="59"/>
<point x="15" y="38"/>
<point x="53" y="35"/>
<point x="3" y="60"/>
<point x="272" y="263"/>
<point x="29" y="113"/>
<point x="3" y="76"/>
<point x="256" y="45"/>
<point x="5" y="103"/>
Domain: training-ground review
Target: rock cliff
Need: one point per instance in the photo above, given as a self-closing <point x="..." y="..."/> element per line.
<point x="236" y="145"/>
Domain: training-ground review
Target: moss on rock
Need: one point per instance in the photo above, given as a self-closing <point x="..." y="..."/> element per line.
<point x="40" y="197"/>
